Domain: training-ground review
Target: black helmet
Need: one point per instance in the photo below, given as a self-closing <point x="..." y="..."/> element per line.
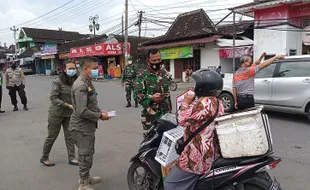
<point x="208" y="83"/>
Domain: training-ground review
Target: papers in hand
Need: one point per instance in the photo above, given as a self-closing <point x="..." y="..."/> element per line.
<point x="112" y="113"/>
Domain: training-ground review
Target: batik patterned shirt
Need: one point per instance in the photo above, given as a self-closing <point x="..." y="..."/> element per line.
<point x="198" y="155"/>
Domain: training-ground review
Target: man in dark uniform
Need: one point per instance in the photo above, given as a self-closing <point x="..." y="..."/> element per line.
<point x="84" y="120"/>
<point x="152" y="90"/>
<point x="128" y="77"/>
<point x="15" y="81"/>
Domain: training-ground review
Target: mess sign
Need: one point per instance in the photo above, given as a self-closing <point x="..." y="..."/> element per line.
<point x="180" y="97"/>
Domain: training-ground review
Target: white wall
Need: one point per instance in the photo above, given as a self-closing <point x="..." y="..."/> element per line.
<point x="294" y="40"/>
<point x="270" y="40"/>
<point x="209" y="56"/>
<point x="172" y="67"/>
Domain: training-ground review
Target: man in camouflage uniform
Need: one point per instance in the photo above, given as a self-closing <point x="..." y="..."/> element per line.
<point x="129" y="75"/>
<point x="152" y="90"/>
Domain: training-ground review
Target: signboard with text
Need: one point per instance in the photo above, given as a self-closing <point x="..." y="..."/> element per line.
<point x="48" y="50"/>
<point x="176" y="53"/>
<point x="99" y="49"/>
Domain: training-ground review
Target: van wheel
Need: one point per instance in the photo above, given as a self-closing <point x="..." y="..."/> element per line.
<point x="308" y="114"/>
<point x="228" y="102"/>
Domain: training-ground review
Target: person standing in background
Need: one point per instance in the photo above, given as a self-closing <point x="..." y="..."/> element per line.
<point x="243" y="80"/>
<point x="128" y="77"/>
<point x="1" y="84"/>
<point x="59" y="114"/>
<point x="15" y="81"/>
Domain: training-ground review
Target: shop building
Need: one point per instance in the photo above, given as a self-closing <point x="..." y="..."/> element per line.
<point x="281" y="26"/>
<point x="108" y="49"/>
<point x="47" y="42"/>
<point x="193" y="41"/>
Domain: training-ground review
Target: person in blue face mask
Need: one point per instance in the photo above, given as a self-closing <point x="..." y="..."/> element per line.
<point x="84" y="120"/>
<point x="59" y="114"/>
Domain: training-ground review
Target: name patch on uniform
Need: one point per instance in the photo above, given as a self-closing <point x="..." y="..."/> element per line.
<point x="54" y="86"/>
<point x="84" y="96"/>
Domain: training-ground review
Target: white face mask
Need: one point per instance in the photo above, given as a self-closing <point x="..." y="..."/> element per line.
<point x="77" y="65"/>
<point x="129" y="62"/>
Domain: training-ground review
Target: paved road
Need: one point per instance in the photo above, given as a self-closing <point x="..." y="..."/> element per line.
<point x="22" y="135"/>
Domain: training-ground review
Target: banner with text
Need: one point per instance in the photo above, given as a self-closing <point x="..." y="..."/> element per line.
<point x="98" y="49"/>
<point x="176" y="53"/>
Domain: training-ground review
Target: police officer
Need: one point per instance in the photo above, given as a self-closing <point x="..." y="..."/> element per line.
<point x="59" y="114"/>
<point x="129" y="75"/>
<point x="15" y="81"/>
<point x="152" y="90"/>
<point x="1" y="82"/>
<point x="84" y="120"/>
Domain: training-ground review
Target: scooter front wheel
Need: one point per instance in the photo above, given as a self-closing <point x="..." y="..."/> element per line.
<point x="139" y="177"/>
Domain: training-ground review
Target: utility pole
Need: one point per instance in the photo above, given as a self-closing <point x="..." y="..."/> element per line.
<point x="123" y="53"/>
<point x="14" y="29"/>
<point x="126" y="30"/>
<point x="234" y="42"/>
<point x="139" y="23"/>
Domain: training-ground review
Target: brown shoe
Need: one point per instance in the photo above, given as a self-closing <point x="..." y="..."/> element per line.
<point x="85" y="185"/>
<point x="94" y="180"/>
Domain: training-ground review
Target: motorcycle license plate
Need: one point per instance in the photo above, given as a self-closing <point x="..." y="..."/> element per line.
<point x="275" y="185"/>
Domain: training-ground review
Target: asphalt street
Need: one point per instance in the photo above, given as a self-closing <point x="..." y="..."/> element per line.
<point x="117" y="140"/>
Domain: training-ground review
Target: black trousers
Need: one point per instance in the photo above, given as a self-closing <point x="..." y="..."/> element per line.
<point x="0" y="96"/>
<point x="21" y="92"/>
<point x="245" y="102"/>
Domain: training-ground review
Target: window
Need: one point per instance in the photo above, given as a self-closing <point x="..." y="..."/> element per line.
<point x="266" y="72"/>
<point x="294" y="69"/>
<point x="167" y="64"/>
<point x="293" y="52"/>
<point x="193" y="62"/>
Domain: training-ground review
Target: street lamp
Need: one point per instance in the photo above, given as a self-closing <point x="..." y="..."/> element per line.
<point x="94" y="25"/>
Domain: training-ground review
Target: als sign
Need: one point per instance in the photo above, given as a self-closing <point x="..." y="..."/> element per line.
<point x="98" y="49"/>
<point x="180" y="97"/>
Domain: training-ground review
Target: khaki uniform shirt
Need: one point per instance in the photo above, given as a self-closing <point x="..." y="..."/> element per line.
<point x="14" y="77"/>
<point x="86" y="111"/>
<point x="60" y="99"/>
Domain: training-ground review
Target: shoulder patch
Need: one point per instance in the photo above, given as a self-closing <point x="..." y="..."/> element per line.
<point x="84" y="96"/>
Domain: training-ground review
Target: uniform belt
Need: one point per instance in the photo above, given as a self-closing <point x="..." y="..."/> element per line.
<point x="245" y="96"/>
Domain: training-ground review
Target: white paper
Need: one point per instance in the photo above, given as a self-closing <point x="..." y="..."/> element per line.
<point x="112" y="113"/>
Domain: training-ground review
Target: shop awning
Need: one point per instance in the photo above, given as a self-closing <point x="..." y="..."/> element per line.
<point x="182" y="43"/>
<point x="239" y="52"/>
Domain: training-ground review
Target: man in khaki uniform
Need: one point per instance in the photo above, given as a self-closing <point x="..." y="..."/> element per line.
<point x="15" y="81"/>
<point x="84" y="120"/>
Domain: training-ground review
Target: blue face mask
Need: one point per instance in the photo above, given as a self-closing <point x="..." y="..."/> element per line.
<point x="94" y="73"/>
<point x="71" y="73"/>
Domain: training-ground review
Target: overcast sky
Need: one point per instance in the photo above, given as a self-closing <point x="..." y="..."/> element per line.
<point x="75" y="14"/>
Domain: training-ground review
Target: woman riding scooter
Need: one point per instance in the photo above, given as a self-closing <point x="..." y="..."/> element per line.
<point x="199" y="154"/>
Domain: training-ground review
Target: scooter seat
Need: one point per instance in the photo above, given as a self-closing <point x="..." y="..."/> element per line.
<point x="221" y="162"/>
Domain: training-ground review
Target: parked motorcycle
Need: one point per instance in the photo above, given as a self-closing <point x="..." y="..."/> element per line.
<point x="172" y="85"/>
<point x="226" y="174"/>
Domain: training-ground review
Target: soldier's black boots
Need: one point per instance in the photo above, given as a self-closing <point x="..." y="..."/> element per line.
<point x="15" y="108"/>
<point x="128" y="105"/>
<point x="25" y="107"/>
<point x="136" y="104"/>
